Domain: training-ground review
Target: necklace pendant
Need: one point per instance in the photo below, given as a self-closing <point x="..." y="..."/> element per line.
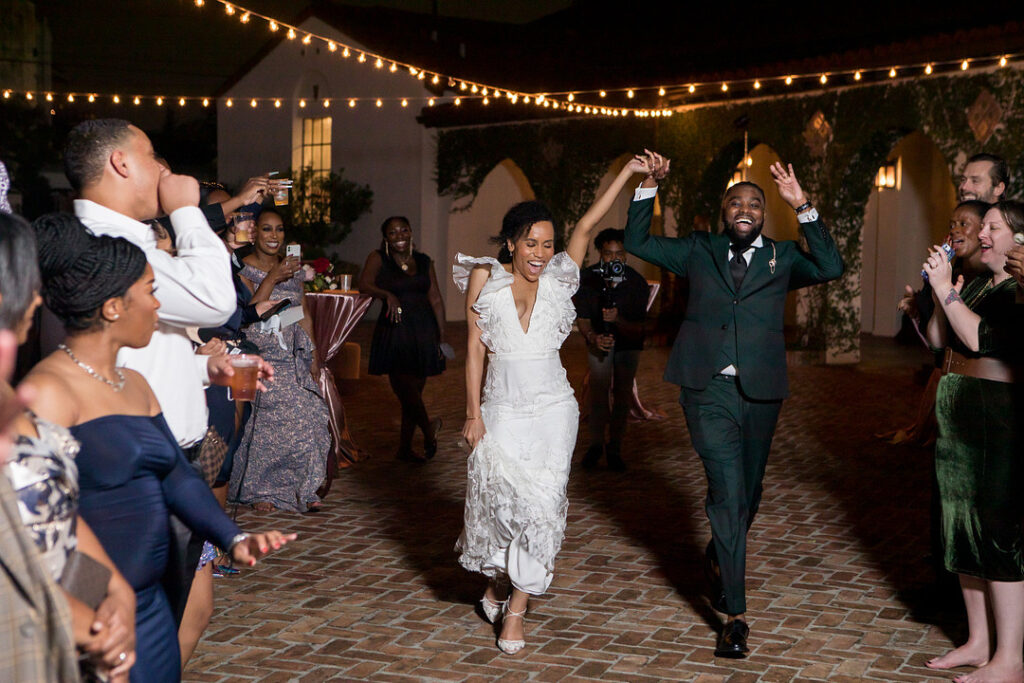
<point x="405" y="267"/>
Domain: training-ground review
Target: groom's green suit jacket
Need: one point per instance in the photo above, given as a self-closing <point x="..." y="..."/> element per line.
<point x="754" y="314"/>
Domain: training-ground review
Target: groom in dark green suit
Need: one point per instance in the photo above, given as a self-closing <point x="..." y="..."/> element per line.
<point x="730" y="356"/>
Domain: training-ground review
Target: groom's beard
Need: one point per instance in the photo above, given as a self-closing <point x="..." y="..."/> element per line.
<point x="734" y="237"/>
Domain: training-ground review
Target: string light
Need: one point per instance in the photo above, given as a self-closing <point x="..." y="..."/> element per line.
<point x="405" y="102"/>
<point x="230" y="102"/>
<point x="277" y="104"/>
<point x="181" y="101"/>
<point x="159" y="101"/>
<point x="302" y="104"/>
<point x="206" y="102"/>
<point x="352" y="103"/>
<point x="71" y="97"/>
<point x="380" y="103"/>
<point x="49" y="97"/>
<point x="327" y="103"/>
<point x="232" y="8"/>
<point x="252" y="103"/>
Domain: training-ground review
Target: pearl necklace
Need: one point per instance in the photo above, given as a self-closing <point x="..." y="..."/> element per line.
<point x="116" y="386"/>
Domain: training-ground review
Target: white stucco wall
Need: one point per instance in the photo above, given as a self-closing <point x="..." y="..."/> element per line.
<point x="382" y="147"/>
<point x="899" y="227"/>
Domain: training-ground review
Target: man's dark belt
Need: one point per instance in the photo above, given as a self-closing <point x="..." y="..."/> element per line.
<point x="983" y="368"/>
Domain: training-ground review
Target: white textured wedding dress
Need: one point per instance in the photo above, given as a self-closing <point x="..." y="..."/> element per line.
<point x="515" y="493"/>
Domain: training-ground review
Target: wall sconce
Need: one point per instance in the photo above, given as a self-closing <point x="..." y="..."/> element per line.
<point x="890" y="175"/>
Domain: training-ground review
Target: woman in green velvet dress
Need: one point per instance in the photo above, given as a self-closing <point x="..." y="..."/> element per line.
<point x="979" y="454"/>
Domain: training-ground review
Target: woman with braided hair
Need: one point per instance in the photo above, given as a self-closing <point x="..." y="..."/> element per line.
<point x="132" y="474"/>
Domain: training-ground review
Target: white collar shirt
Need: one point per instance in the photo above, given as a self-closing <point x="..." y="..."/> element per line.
<point x="194" y="289"/>
<point x="748" y="253"/>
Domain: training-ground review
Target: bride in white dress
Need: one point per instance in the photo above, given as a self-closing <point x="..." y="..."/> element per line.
<point x="519" y="309"/>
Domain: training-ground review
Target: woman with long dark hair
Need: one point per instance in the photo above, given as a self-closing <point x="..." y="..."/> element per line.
<point x="410" y="329"/>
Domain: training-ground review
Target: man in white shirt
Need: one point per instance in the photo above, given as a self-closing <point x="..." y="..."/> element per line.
<point x="112" y="165"/>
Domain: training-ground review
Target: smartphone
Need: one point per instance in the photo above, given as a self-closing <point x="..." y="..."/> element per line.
<point x="280" y="306"/>
<point x="294" y="250"/>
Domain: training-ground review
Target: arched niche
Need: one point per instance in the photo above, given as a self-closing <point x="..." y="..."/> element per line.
<point x="616" y="217"/>
<point x="470" y="228"/>
<point x="900" y="224"/>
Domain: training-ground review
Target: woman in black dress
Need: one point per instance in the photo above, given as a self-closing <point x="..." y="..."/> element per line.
<point x="410" y="328"/>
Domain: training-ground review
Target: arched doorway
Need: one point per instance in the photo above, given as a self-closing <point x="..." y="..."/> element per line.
<point x="470" y="230"/>
<point x="900" y="223"/>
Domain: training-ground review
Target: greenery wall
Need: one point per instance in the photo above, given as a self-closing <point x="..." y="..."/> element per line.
<point x="836" y="162"/>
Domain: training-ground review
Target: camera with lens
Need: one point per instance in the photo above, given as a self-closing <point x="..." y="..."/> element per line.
<point x="612" y="272"/>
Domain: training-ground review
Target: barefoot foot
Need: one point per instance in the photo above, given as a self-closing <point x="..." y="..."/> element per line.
<point x="968" y="654"/>
<point x="995" y="672"/>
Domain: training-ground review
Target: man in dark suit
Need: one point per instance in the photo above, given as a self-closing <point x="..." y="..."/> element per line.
<point x="730" y="357"/>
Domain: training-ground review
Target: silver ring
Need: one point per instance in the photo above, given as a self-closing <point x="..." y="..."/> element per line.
<point x="399" y="310"/>
<point x="123" y="656"/>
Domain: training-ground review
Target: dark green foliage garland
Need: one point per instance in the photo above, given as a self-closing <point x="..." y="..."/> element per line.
<point x="565" y="161"/>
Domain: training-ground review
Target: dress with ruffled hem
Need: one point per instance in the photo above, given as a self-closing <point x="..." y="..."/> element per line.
<point x="516" y="504"/>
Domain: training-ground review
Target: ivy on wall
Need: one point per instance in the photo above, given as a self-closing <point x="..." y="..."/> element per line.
<point x="836" y="141"/>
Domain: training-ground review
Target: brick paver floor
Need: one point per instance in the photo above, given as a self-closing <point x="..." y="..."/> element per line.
<point x="840" y="579"/>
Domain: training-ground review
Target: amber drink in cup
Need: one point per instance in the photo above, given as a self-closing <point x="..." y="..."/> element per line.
<point x="281" y="188"/>
<point x="246" y="377"/>
<point x="243" y="227"/>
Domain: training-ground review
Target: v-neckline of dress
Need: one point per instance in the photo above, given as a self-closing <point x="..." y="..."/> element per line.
<point x="529" y="323"/>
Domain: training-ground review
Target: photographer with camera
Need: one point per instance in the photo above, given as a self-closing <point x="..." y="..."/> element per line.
<point x="611" y="304"/>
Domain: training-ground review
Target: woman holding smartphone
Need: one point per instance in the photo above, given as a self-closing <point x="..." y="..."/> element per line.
<point x="282" y="458"/>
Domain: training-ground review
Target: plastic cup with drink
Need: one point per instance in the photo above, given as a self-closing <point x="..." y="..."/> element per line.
<point x="246" y="377"/>
<point x="279" y="188"/>
<point x="243" y="222"/>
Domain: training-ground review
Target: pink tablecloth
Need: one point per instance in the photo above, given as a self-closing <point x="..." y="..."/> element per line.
<point x="334" y="317"/>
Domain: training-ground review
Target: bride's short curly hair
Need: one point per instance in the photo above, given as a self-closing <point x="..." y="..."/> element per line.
<point x="517" y="222"/>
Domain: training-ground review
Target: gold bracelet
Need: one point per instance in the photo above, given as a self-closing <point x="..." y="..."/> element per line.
<point x="469" y="417"/>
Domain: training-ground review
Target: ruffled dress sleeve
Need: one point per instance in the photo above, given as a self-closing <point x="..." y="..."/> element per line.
<point x="498" y="280"/>
<point x="563" y="277"/>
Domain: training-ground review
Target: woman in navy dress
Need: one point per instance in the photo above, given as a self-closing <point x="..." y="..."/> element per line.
<point x="132" y="475"/>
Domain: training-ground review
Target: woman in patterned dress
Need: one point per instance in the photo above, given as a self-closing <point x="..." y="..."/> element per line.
<point x="282" y="459"/>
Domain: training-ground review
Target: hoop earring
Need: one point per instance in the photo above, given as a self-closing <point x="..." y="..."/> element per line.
<point x="387" y="250"/>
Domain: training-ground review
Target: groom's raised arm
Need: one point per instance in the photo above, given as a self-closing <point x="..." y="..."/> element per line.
<point x="668" y="252"/>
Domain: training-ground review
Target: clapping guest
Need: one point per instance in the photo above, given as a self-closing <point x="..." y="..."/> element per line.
<point x="283" y="457"/>
<point x="979" y="461"/>
<point x="132" y="473"/>
<point x="410" y="329"/>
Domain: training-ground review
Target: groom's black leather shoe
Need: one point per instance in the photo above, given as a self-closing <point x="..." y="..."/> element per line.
<point x="732" y="641"/>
